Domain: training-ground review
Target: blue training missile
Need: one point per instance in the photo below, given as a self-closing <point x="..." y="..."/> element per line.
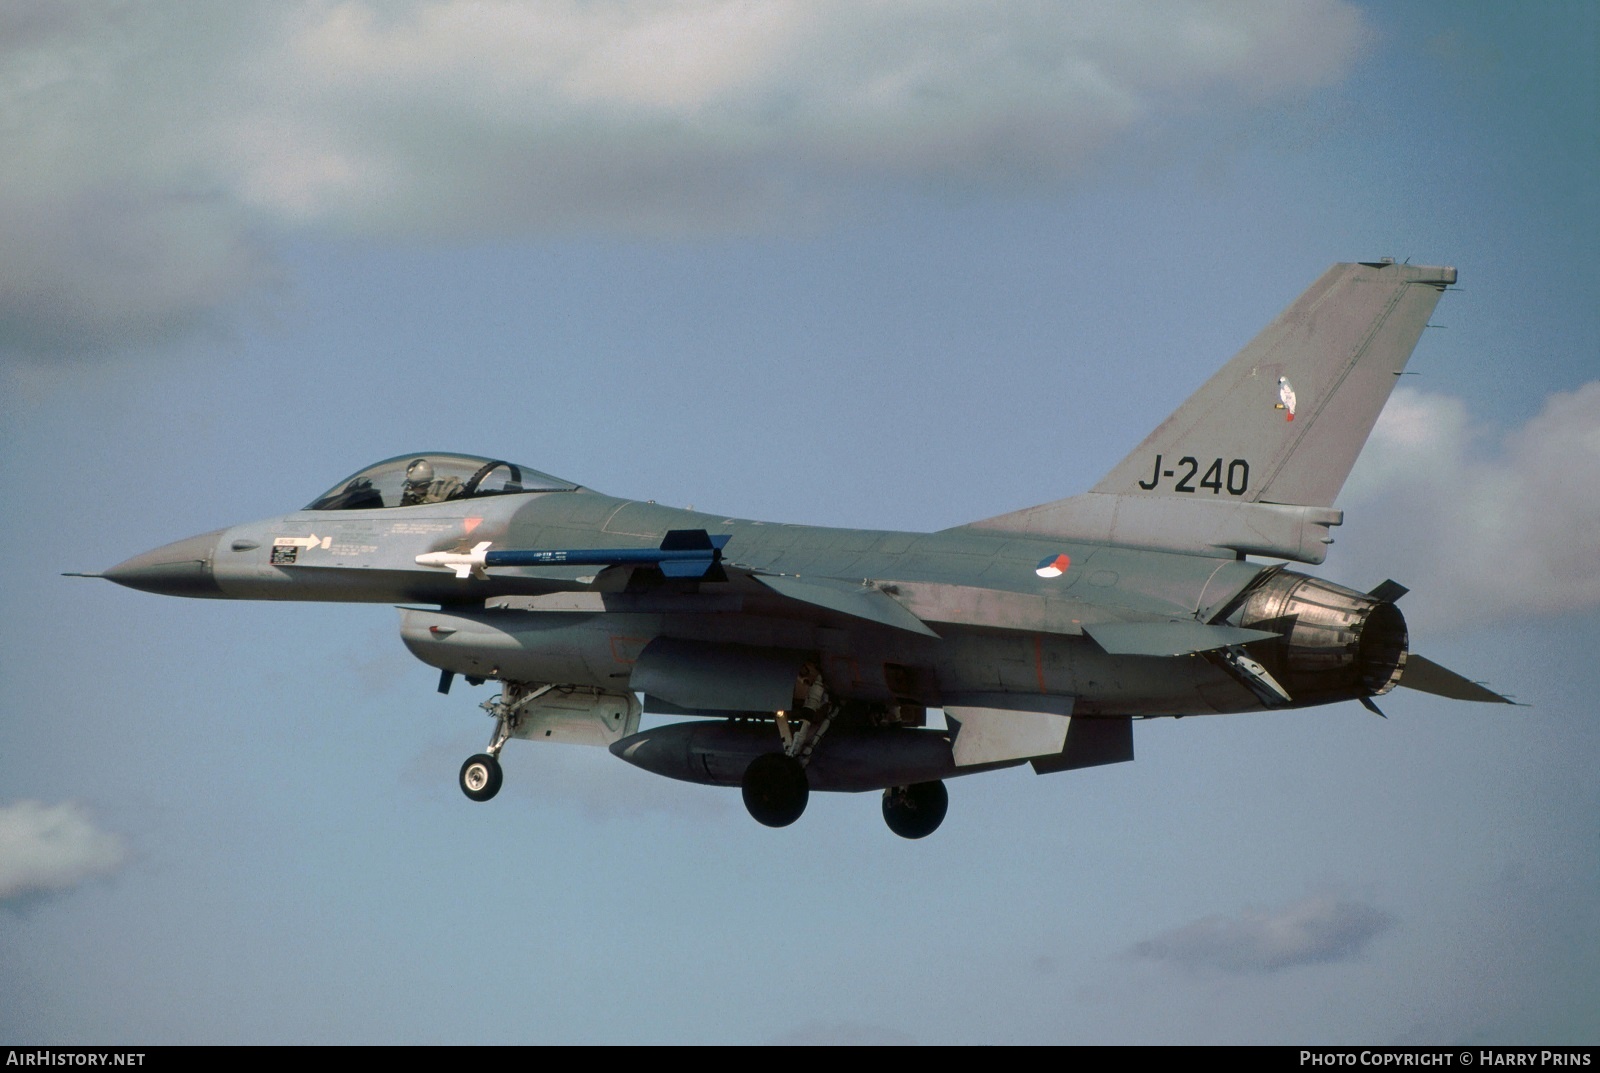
<point x="683" y="553"/>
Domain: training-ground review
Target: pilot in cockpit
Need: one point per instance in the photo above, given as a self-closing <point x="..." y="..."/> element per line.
<point x="421" y="486"/>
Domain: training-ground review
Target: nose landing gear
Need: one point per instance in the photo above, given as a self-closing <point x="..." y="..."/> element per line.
<point x="480" y="777"/>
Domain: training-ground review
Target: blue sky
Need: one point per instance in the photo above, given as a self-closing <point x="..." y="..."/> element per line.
<point x="881" y="265"/>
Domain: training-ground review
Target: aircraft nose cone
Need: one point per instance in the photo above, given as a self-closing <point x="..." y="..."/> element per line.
<point x="182" y="568"/>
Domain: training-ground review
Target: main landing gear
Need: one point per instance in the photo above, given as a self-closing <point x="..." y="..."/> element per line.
<point x="915" y="811"/>
<point x="774" y="785"/>
<point x="776" y="791"/>
<point x="776" y="788"/>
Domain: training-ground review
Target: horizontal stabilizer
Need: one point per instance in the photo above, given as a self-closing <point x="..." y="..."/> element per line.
<point x="1168" y="638"/>
<point x="1426" y="676"/>
<point x="1390" y="591"/>
<point x="847" y="598"/>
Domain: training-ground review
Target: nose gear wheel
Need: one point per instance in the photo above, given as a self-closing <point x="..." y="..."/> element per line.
<point x="480" y="777"/>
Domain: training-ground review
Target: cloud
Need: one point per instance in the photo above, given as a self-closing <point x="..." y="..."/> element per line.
<point x="49" y="848"/>
<point x="154" y="154"/>
<point x="1318" y="929"/>
<point x="658" y="117"/>
<point x="1481" y="525"/>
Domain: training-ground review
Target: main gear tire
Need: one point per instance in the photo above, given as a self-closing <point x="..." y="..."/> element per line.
<point x="775" y="789"/>
<point x="915" y="811"/>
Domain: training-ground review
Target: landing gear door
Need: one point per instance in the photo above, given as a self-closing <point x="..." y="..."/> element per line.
<point x="578" y="716"/>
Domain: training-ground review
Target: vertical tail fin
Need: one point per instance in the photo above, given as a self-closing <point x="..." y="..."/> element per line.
<point x="1257" y="455"/>
<point x="1284" y="420"/>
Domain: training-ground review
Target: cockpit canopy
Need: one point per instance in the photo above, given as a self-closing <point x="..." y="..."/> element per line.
<point x="414" y="480"/>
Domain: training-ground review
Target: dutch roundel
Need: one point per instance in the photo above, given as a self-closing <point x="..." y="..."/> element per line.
<point x="1053" y="566"/>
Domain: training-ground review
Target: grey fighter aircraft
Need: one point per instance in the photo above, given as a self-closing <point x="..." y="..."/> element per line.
<point x="801" y="658"/>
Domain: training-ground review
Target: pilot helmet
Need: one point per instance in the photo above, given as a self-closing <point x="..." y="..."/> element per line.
<point x="419" y="472"/>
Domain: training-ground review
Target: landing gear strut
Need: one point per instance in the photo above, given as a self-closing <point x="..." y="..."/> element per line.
<point x="915" y="811"/>
<point x="775" y="786"/>
<point x="481" y="775"/>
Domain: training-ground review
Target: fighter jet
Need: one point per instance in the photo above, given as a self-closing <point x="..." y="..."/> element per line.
<point x="796" y="658"/>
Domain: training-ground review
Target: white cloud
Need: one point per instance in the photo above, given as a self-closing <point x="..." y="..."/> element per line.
<point x="1480" y="526"/>
<point x="46" y="848"/>
<point x="1318" y="929"/>
<point x="151" y="152"/>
